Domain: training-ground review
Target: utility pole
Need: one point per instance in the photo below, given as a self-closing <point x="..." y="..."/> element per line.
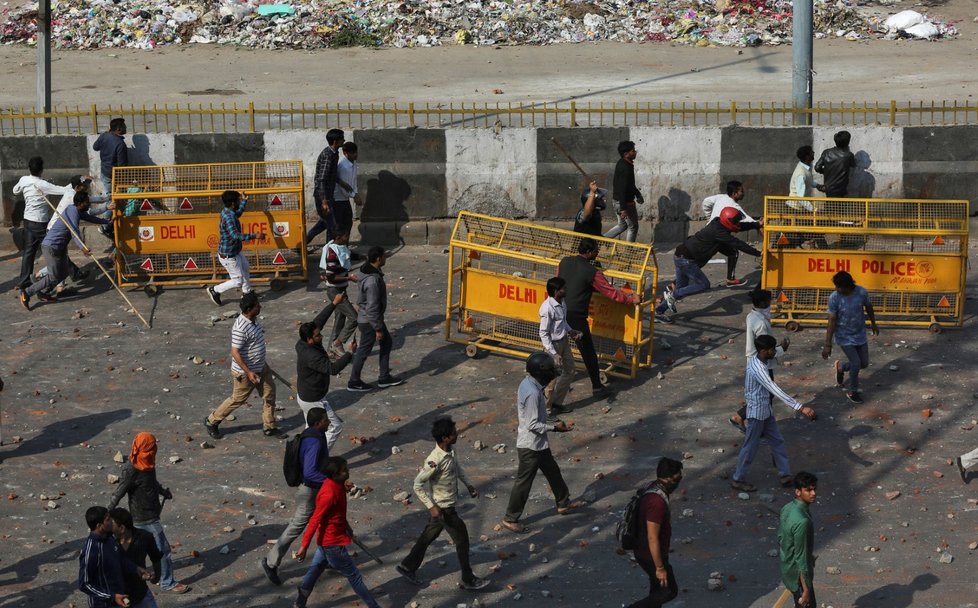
<point x="801" y="60"/>
<point x="44" y="62"/>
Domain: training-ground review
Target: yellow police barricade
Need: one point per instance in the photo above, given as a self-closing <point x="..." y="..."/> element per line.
<point x="166" y="221"/>
<point x="911" y="255"/>
<point x="497" y="275"/>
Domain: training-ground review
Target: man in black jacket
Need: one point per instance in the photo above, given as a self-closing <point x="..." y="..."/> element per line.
<point x="313" y="369"/>
<point x="313" y="455"/>
<point x="136" y="545"/>
<point x="626" y="193"/>
<point x="835" y="164"/>
<point x="693" y="254"/>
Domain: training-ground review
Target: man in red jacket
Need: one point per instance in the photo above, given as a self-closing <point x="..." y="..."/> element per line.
<point x="333" y="534"/>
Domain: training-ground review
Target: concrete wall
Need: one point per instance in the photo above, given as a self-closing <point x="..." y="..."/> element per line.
<point x="413" y="181"/>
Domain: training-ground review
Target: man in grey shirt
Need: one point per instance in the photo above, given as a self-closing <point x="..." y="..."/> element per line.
<point x="532" y="447"/>
<point x="370" y="321"/>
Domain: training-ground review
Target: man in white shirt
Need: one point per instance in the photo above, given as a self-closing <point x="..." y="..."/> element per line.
<point x="803" y="184"/>
<point x="556" y="334"/>
<point x="37" y="212"/>
<point x="346" y="189"/>
<point x="713" y="205"/>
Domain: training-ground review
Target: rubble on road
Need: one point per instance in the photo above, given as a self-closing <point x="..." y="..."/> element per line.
<point x="311" y="24"/>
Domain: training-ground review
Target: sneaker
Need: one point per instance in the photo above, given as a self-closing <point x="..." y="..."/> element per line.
<point x="271" y="573"/>
<point x="854" y="397"/>
<point x="475" y="584"/>
<point x="81" y="275"/>
<point x="743" y="486"/>
<point x="25" y="300"/>
<point x="560" y="409"/>
<point x="388" y="381"/>
<point x="212" y="429"/>
<point x="670" y="299"/>
<point x="358" y="387"/>
<point x="46" y="297"/>
<point x="787" y="481"/>
<point x="602" y="391"/>
<point x="213" y="295"/>
<point x="663" y="318"/>
<point x="411" y="576"/>
<point x="961" y="469"/>
<point x="734" y="283"/>
<point x="274" y="432"/>
<point x="840" y="376"/>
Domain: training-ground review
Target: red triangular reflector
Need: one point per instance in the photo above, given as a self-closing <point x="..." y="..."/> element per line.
<point x="475" y="255"/>
<point x="146" y="206"/>
<point x="619" y="354"/>
<point x="468" y="322"/>
<point x="782" y="298"/>
<point x="783" y="240"/>
<point x="185" y="205"/>
<point x="938" y="240"/>
<point x="626" y="288"/>
<point x="944" y="303"/>
<point x="190" y="265"/>
<point x="147" y="265"/>
<point x="279" y="259"/>
<point x="276" y="202"/>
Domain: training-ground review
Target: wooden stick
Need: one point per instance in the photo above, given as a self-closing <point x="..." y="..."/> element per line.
<point x="100" y="267"/>
<point x="785" y="596"/>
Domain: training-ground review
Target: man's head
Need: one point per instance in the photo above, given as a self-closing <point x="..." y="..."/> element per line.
<point x="761" y="298"/>
<point x="121" y="522"/>
<point x="231" y="198"/>
<point x="730" y="219"/>
<point x="337" y="469"/>
<point x="842" y="139"/>
<point x="556" y="288"/>
<point x="377" y="257"/>
<point x="735" y="190"/>
<point x="541" y="367"/>
<point x="669" y="473"/>
<point x="588" y="248"/>
<point x="334" y="138"/>
<point x="118" y="126"/>
<point x="806" y="154"/>
<point x="626" y="150"/>
<point x="350" y="150"/>
<point x="79" y="183"/>
<point x="36" y="166"/>
<point x="98" y="520"/>
<point x="443" y="430"/>
<point x="317" y="419"/>
<point x="81" y="200"/>
<point x="250" y="306"/>
<point x="766" y="347"/>
<point x="805" y="487"/>
<point x="844" y="283"/>
<point x="311" y="334"/>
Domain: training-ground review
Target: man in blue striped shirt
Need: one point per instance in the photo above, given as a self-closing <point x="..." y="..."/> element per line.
<point x="759" y="392"/>
<point x="230" y="244"/>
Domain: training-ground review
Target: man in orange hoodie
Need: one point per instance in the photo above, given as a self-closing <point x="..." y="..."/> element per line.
<point x="333" y="534"/>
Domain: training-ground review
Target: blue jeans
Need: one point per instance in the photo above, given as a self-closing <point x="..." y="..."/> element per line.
<point x="756" y="430"/>
<point x="338" y="559"/>
<point x="325" y="223"/>
<point x="107" y="186"/>
<point x="166" y="564"/>
<point x="689" y="280"/>
<point x="858" y="356"/>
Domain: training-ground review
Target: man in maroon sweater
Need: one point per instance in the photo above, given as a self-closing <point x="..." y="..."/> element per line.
<point x="333" y="534"/>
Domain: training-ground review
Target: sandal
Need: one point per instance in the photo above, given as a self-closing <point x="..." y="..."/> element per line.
<point x="564" y="510"/>
<point x="514" y="527"/>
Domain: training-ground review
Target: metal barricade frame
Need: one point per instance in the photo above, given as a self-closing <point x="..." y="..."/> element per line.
<point x="910" y="254"/>
<point x="497" y="276"/>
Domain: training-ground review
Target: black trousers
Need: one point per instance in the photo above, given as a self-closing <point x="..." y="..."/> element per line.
<point x="731" y="254"/>
<point x="658" y="595"/>
<point x="34" y="233"/>
<point x="343" y="216"/>
<point x="451" y="522"/>
<point x="586" y="346"/>
<point x="530" y="462"/>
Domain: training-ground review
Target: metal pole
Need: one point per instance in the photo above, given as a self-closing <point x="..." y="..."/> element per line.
<point x="801" y="60"/>
<point x="44" y="61"/>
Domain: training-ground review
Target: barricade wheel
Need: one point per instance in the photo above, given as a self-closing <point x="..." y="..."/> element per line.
<point x="935" y="328"/>
<point x="792" y="326"/>
<point x="471" y="351"/>
<point x="603" y="377"/>
<point x="153" y="290"/>
<point x="277" y="284"/>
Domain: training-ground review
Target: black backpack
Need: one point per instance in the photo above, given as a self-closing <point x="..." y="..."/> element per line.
<point x="292" y="464"/>
<point x="627" y="532"/>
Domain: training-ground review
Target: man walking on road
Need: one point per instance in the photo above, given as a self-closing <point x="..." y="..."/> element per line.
<point x="532" y="446"/>
<point x="313" y="457"/>
<point x="249" y="370"/>
<point x="759" y="392"/>
<point x="102" y="569"/>
<point x="849" y="306"/>
<point x="325" y="187"/>
<point x="370" y="320"/>
<point x="556" y="334"/>
<point x="655" y="534"/>
<point x="796" y="542"/>
<point x="583" y="279"/>
<point x="626" y="193"/>
<point x="229" y="247"/>
<point x="437" y="489"/>
<point x="313" y="369"/>
<point x="346" y="189"/>
<point x="136" y="545"/>
<point x="335" y="265"/>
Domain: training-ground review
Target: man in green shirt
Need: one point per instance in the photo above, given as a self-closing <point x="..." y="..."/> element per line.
<point x="796" y="537"/>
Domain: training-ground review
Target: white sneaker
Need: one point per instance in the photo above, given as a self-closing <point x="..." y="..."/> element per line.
<point x="670" y="299"/>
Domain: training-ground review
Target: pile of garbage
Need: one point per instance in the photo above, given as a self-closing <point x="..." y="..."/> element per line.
<point x="310" y="24"/>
